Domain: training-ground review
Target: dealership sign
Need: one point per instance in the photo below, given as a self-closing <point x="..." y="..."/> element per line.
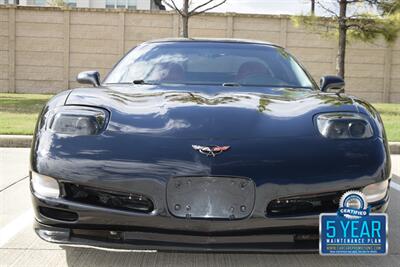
<point x="353" y="230"/>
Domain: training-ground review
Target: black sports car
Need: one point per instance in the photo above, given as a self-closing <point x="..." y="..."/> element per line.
<point x="203" y="145"/>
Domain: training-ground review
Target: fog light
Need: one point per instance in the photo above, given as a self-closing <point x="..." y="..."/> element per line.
<point x="44" y="185"/>
<point x="376" y="192"/>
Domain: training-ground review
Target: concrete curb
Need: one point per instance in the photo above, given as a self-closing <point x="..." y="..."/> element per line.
<point x="26" y="140"/>
<point x="15" y="140"/>
<point x="394" y="147"/>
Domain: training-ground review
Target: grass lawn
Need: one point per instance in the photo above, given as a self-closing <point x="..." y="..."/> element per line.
<point x="18" y="114"/>
<point x="390" y="114"/>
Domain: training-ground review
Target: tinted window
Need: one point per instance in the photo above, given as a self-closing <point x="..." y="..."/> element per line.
<point x="210" y="63"/>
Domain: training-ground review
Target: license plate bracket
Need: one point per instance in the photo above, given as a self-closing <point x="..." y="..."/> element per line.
<point x="210" y="197"/>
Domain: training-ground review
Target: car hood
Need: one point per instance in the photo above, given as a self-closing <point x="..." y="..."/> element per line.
<point x="207" y="112"/>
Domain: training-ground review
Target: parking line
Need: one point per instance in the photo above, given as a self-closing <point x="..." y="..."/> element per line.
<point x="15" y="226"/>
<point x="14" y="183"/>
<point x="395" y="186"/>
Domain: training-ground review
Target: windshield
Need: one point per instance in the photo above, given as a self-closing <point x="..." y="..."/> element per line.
<point x="210" y="63"/>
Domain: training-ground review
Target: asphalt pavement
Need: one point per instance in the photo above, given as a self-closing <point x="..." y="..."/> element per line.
<point x="19" y="246"/>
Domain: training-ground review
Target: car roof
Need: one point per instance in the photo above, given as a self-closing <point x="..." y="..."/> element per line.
<point x="212" y="40"/>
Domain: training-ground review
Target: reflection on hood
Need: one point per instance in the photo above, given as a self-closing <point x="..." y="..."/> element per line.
<point x="169" y="126"/>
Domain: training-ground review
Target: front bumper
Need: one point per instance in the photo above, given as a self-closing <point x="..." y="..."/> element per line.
<point x="114" y="229"/>
<point x="273" y="240"/>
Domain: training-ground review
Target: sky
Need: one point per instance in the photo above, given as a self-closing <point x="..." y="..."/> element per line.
<point x="277" y="7"/>
<point x="265" y="6"/>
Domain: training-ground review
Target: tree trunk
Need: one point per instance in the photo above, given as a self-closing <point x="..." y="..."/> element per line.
<point x="185" y="27"/>
<point x="342" y="37"/>
<point x="312" y="7"/>
<point x="185" y="19"/>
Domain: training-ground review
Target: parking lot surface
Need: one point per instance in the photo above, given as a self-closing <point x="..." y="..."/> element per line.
<point x="19" y="246"/>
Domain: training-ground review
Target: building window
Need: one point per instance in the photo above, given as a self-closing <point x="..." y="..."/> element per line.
<point x="9" y="2"/>
<point x="71" y="3"/>
<point x="40" y="2"/>
<point x="121" y="3"/>
<point x="131" y="4"/>
<point x="110" y="3"/>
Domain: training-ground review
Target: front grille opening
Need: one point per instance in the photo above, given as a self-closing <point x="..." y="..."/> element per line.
<point x="304" y="205"/>
<point x="58" y="214"/>
<point x="108" y="199"/>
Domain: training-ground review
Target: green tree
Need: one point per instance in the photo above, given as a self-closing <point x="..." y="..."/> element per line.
<point x="389" y="6"/>
<point x="188" y="10"/>
<point x="359" y="25"/>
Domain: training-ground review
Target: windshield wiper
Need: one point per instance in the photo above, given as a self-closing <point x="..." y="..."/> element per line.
<point x="142" y="82"/>
<point x="277" y="86"/>
<point x="231" y="84"/>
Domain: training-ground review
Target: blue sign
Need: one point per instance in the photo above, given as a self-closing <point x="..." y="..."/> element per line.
<point x="353" y="230"/>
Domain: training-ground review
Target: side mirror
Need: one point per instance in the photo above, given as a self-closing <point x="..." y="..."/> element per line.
<point x="89" y="77"/>
<point x="332" y="84"/>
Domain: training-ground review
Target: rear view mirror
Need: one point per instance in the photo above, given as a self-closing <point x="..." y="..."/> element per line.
<point x="332" y="84"/>
<point x="89" y="77"/>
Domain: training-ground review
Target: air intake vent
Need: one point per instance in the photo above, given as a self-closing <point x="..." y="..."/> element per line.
<point x="108" y="199"/>
<point x="57" y="214"/>
<point x="304" y="205"/>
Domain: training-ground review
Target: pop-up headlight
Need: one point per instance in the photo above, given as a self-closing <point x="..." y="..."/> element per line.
<point x="344" y="126"/>
<point x="77" y="120"/>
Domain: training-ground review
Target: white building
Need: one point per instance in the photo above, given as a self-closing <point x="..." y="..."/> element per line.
<point x="130" y="4"/>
